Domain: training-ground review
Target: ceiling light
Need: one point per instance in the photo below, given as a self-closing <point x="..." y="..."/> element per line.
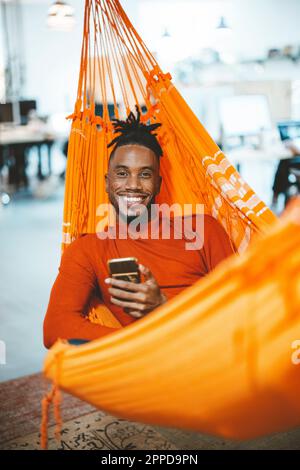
<point x="61" y="17"/>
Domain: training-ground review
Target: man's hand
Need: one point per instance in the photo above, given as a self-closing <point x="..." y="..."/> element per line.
<point x="137" y="299"/>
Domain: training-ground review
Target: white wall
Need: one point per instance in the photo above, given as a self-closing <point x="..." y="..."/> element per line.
<point x="257" y="25"/>
<point x="263" y="24"/>
<point x="2" y="90"/>
<point x="52" y="58"/>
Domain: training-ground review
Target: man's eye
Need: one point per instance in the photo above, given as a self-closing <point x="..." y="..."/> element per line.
<point x="122" y="174"/>
<point x="146" y="174"/>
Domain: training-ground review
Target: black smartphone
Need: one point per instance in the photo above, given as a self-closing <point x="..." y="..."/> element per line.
<point x="125" y="269"/>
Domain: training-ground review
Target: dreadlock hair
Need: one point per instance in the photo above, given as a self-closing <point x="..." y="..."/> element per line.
<point x="132" y="131"/>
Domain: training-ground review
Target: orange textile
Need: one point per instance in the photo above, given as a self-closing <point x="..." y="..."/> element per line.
<point x="223" y="357"/>
<point x="117" y="67"/>
<point x="83" y="270"/>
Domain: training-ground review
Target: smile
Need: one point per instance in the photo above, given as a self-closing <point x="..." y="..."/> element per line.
<point x="132" y="199"/>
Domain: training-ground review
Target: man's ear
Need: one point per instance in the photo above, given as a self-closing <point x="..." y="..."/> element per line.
<point x="106" y="182"/>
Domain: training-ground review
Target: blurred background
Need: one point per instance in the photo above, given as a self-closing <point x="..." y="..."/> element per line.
<point x="236" y="62"/>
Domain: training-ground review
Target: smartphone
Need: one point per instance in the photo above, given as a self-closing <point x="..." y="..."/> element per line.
<point x="125" y="269"/>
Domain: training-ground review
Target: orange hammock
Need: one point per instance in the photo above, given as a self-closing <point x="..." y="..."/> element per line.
<point x="217" y="357"/>
<point x="117" y="69"/>
<point x="223" y="357"/>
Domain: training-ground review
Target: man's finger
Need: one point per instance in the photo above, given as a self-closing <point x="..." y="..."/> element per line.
<point x="132" y="305"/>
<point x="135" y="314"/>
<point x="132" y="286"/>
<point x="146" y="273"/>
<point x="126" y="295"/>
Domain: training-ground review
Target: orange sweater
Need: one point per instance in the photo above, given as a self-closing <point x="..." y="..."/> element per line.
<point x="83" y="270"/>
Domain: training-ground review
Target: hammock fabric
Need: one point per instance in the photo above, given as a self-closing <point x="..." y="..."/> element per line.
<point x="116" y="67"/>
<point x="223" y="357"/>
<point x="233" y="375"/>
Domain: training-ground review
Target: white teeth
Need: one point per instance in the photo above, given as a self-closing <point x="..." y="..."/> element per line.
<point x="132" y="199"/>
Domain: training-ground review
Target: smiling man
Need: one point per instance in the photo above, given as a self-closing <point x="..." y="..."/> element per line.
<point x="133" y="181"/>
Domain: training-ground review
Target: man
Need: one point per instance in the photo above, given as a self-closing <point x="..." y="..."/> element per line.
<point x="133" y="181"/>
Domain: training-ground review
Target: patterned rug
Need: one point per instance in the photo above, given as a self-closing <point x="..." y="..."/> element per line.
<point x="84" y="427"/>
<point x="96" y="431"/>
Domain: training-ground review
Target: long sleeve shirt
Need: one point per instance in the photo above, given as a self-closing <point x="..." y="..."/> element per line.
<point x="83" y="269"/>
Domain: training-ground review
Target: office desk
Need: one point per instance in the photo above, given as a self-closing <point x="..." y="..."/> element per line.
<point x="24" y="134"/>
<point x="16" y="141"/>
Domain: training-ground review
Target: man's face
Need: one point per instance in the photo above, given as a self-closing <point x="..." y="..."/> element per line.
<point x="133" y="179"/>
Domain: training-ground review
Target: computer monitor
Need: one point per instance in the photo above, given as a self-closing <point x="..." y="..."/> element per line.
<point x="6" y="113"/>
<point x="99" y="110"/>
<point x="25" y="106"/>
<point x="244" y="115"/>
<point x="111" y="110"/>
<point x="289" y="130"/>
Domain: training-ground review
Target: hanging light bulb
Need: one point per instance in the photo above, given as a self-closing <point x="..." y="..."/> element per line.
<point x="224" y="41"/>
<point x="166" y="34"/>
<point x="165" y="49"/>
<point x="61" y="17"/>
<point x="222" y="24"/>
